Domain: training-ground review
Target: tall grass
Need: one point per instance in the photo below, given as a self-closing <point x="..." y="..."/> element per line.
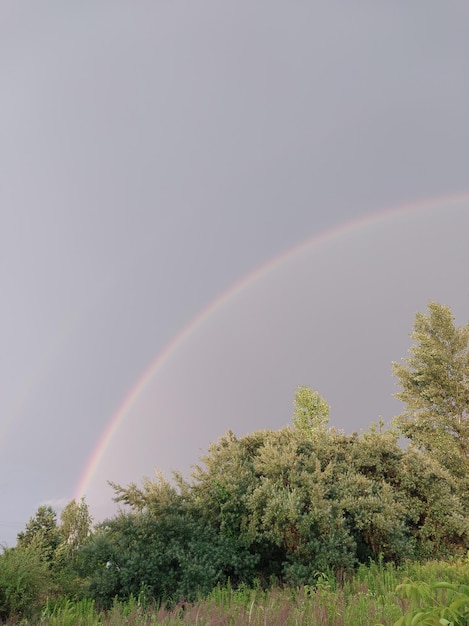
<point x="375" y="594"/>
<point x="65" y="612"/>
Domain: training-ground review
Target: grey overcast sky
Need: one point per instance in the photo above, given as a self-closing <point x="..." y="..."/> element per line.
<point x="152" y="155"/>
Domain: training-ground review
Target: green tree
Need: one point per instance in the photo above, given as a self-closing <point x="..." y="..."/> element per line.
<point x="75" y="527"/>
<point x="42" y="533"/>
<point x="298" y="529"/>
<point x="311" y="410"/>
<point x="74" y="531"/>
<point x="435" y="515"/>
<point x="435" y="388"/>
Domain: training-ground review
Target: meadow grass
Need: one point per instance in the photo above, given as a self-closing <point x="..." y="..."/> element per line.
<point x="375" y="594"/>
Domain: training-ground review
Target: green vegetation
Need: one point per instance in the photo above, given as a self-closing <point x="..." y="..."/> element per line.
<point x="373" y="595"/>
<point x="304" y="525"/>
<point x="435" y="389"/>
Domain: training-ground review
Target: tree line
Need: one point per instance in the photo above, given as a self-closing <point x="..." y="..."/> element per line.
<point x="280" y="506"/>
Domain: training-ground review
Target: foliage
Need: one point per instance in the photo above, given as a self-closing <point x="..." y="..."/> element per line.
<point x="42" y="533"/>
<point x="307" y="504"/>
<point x="311" y="410"/>
<point x="66" y="612"/>
<point x="75" y="528"/>
<point x="439" y="603"/>
<point x="58" y="545"/>
<point x="168" y="558"/>
<point x="377" y="593"/>
<point x="25" y="581"/>
<point x="435" y="388"/>
<point x="307" y="508"/>
<point x="364" y="598"/>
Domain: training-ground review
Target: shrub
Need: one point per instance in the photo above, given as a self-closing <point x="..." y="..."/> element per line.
<point x="25" y="581"/>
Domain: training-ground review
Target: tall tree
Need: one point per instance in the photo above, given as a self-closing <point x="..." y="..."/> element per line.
<point x="41" y="532"/>
<point x="75" y="528"/>
<point x="435" y="388"/>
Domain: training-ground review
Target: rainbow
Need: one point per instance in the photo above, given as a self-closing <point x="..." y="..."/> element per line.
<point x="348" y="227"/>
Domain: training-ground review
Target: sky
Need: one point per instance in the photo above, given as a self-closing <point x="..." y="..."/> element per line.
<point x="204" y="205"/>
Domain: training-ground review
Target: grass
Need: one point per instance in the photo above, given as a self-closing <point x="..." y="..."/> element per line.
<point x="377" y="594"/>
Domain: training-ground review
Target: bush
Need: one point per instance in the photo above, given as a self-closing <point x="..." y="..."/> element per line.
<point x="25" y="582"/>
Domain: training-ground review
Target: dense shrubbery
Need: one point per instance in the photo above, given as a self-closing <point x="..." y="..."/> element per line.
<point x="175" y="557"/>
<point x="281" y="505"/>
<point x="286" y="506"/>
<point x="374" y="595"/>
<point x="25" y="582"/>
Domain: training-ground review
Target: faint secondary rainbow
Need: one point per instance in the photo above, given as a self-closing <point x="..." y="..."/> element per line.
<point x="52" y="349"/>
<point x="216" y="305"/>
